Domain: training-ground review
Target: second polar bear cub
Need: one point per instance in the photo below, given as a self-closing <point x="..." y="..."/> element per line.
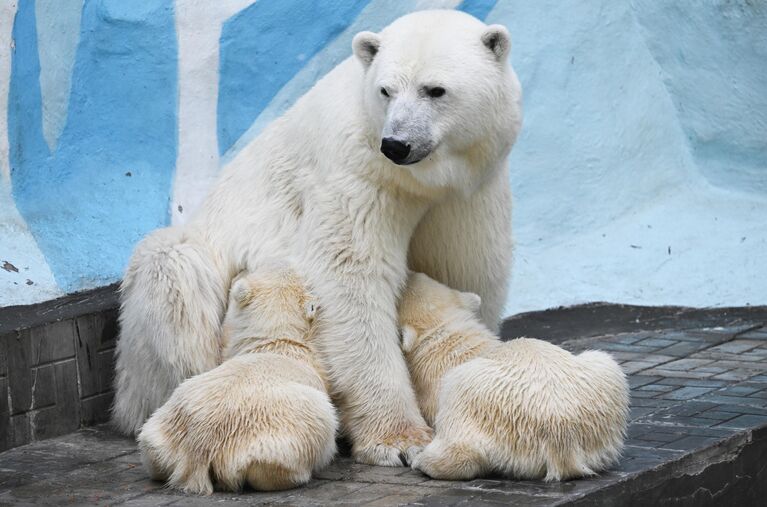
<point x="524" y="408"/>
<point x="263" y="416"/>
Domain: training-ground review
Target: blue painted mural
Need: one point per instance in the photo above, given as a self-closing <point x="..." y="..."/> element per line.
<point x="105" y="183"/>
<point x="640" y="175"/>
<point x="257" y="48"/>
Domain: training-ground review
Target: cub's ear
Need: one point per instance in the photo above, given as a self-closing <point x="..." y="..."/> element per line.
<point x="408" y="335"/>
<point x="365" y="46"/>
<point x="310" y="309"/>
<point x="497" y="39"/>
<point x="240" y="291"/>
<point x="471" y="301"/>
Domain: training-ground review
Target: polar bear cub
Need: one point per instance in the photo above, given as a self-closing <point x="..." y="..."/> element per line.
<point x="524" y="408"/>
<point x="263" y="416"/>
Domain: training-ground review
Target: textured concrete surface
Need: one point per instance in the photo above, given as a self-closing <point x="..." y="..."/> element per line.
<point x="56" y="375"/>
<point x="698" y="436"/>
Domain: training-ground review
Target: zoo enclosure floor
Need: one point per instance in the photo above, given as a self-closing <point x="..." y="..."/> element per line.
<point x="698" y="436"/>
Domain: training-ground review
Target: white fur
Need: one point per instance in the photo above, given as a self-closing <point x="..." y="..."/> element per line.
<point x="524" y="408"/>
<point x="264" y="416"/>
<point x="315" y="185"/>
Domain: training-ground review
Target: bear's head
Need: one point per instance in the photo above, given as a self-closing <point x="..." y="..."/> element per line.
<point x="269" y="302"/>
<point x="440" y="96"/>
<point x="426" y="304"/>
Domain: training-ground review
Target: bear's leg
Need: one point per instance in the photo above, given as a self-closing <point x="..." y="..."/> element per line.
<point x="173" y="297"/>
<point x="359" y="343"/>
<point x="466" y="243"/>
<point x="450" y="460"/>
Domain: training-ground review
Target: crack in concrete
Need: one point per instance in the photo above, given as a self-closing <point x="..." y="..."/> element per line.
<point x="33" y="402"/>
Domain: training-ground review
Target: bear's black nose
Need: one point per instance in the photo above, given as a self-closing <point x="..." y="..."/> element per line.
<point x="396" y="151"/>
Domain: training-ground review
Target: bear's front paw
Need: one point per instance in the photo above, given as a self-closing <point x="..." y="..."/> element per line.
<point x="396" y="450"/>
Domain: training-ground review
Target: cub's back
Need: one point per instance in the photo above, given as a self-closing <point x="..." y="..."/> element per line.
<point x="539" y="386"/>
<point x="266" y="380"/>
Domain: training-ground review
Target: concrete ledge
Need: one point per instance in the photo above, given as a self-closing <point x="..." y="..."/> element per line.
<point x="16" y="318"/>
<point x="595" y="319"/>
<point x="731" y="472"/>
<point x="56" y="366"/>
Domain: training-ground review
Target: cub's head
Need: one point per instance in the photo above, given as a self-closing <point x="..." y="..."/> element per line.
<point x="269" y="302"/>
<point x="426" y="304"/>
<point x="440" y="96"/>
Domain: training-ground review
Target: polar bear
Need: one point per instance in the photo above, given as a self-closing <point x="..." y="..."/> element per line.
<point x="396" y="156"/>
<point x="524" y="408"/>
<point x="262" y="417"/>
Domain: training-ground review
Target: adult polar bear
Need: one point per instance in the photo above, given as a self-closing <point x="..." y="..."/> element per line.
<point x="397" y="155"/>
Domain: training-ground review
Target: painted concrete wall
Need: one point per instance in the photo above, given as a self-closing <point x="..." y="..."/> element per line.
<point x="640" y="175"/>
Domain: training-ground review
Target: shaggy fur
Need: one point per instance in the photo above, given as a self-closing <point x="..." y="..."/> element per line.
<point x="315" y="186"/>
<point x="263" y="417"/>
<point x="524" y="408"/>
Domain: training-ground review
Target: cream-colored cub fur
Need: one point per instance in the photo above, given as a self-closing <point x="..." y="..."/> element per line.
<point x="524" y="408"/>
<point x="263" y="416"/>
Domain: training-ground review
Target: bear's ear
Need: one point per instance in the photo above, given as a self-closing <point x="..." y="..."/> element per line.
<point x="365" y="46"/>
<point x="310" y="309"/>
<point x="497" y="39"/>
<point x="240" y="291"/>
<point x="471" y="301"/>
<point x="408" y="335"/>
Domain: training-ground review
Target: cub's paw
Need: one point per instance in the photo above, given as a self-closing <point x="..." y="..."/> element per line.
<point x="195" y="458"/>
<point x="167" y="460"/>
<point x="454" y="461"/>
<point x="396" y="450"/>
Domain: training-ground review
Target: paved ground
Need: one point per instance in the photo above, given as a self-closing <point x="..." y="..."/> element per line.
<point x="698" y="435"/>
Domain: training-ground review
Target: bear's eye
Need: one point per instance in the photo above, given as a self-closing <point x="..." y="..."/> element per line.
<point x="384" y="92"/>
<point x="435" y="92"/>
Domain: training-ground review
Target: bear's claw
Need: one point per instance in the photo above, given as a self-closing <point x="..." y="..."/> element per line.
<point x="396" y="451"/>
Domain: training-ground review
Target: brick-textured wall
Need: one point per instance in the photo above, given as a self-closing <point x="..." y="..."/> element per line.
<point x="56" y="377"/>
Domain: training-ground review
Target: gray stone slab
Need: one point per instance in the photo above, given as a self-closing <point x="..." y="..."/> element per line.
<point x="737" y="346"/>
<point x="686" y="364"/>
<point x="678" y="381"/>
<point x="53" y="342"/>
<point x="20" y="430"/>
<point x="21" y="358"/>
<point x="631" y="367"/>
<point x="691" y="443"/>
<point x="742" y="389"/>
<point x="735" y="400"/>
<point x="756" y="334"/>
<point x="5" y="416"/>
<point x="95" y="351"/>
<point x="744" y="421"/>
<point x="95" y="410"/>
<point x="658" y="343"/>
<point x="4" y="353"/>
<point x="681" y="373"/>
<point x="734" y="375"/>
<point x="641" y="380"/>
<point x="684" y="348"/>
<point x="687" y="393"/>
<point x="43" y="387"/>
<point x="656" y="388"/>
